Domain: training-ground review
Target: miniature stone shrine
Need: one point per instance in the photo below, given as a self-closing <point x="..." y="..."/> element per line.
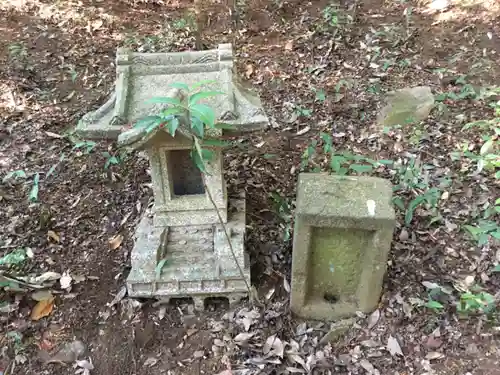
<point x="182" y="232"/>
<point x="343" y="233"/>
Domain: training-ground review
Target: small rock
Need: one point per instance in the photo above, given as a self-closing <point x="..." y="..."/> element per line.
<point x="337" y="330"/>
<point x="408" y="105"/>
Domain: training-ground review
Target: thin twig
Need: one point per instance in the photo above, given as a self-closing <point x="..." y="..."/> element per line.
<point x="228" y="238"/>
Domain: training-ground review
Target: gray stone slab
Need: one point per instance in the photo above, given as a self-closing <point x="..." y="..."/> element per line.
<point x="343" y="232"/>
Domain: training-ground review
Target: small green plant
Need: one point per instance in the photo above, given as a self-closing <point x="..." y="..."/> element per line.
<point x="387" y="64"/>
<point x="467" y="91"/>
<point x="73" y="73"/>
<point x="16" y="340"/>
<point x="483" y="230"/>
<point x="339" y="162"/>
<point x="491" y="210"/>
<point x="110" y="159"/>
<point x="15" y="257"/>
<point x="412" y="179"/>
<point x="18" y="55"/>
<point x="341" y="89"/>
<point x="476" y="302"/>
<point x="374" y="88"/>
<point x="435" y="295"/>
<point x="33" y="195"/>
<point x="333" y="19"/>
<point x="404" y="63"/>
<point x="331" y="15"/>
<point x="488" y="158"/>
<point x="417" y="132"/>
<point x="320" y="95"/>
<point x="307" y="156"/>
<point x="84" y="146"/>
<point x="303" y="112"/>
<point x="429" y="198"/>
<point x="14" y="175"/>
<point x="195" y="116"/>
<point x="187" y="23"/>
<point x="283" y="208"/>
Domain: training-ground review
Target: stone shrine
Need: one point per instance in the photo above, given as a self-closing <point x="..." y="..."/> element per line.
<point x="182" y="231"/>
<point x="342" y="237"/>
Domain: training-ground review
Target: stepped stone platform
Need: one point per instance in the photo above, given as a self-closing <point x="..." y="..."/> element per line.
<point x="198" y="265"/>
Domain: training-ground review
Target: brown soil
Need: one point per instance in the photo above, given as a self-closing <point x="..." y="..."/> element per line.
<point x="64" y="69"/>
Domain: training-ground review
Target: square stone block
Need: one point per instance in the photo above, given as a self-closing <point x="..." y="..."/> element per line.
<point x="343" y="233"/>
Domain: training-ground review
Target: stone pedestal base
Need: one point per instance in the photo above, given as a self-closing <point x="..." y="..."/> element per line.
<point x="343" y="233"/>
<point x="198" y="265"/>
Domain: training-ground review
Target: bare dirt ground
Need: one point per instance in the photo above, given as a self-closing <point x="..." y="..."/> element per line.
<point x="315" y="73"/>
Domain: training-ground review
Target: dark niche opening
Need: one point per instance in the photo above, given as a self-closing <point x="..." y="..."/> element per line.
<point x="185" y="175"/>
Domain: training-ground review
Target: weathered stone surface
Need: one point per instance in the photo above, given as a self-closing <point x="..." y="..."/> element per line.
<point x="183" y="231"/>
<point x="142" y="76"/>
<point x="408" y="105"/>
<point x="198" y="264"/>
<point x="343" y="232"/>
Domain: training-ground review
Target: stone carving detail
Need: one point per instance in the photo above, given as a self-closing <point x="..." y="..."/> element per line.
<point x="141" y="76"/>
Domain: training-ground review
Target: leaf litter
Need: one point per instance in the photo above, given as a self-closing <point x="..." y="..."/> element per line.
<point x="361" y="350"/>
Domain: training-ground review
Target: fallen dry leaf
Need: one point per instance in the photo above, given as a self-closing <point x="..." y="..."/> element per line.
<point x="286" y="285"/>
<point x="289" y="45"/>
<point x="47" y="276"/>
<point x="119" y="296"/>
<point x="249" y="70"/>
<point x="434" y="355"/>
<point x="369" y="368"/>
<point x="42" y="309"/>
<point x="51" y="235"/>
<point x="53" y="135"/>
<point x="85" y="364"/>
<point x="433" y="342"/>
<point x="373" y="319"/>
<point x="242" y="337"/>
<point x="46" y="345"/>
<point x="393" y="346"/>
<point x="115" y="242"/>
<point x="150" y="362"/>
<point x="304" y="130"/>
<point x="41" y="295"/>
<point x="273" y="346"/>
<point x="96" y="25"/>
<point x="65" y="280"/>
